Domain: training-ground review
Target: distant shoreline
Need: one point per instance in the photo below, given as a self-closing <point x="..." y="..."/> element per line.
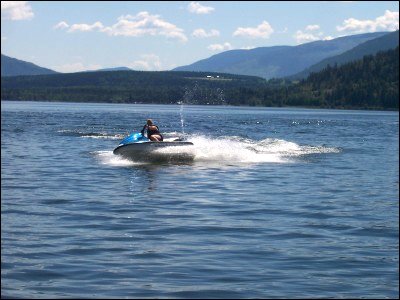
<point x="214" y="105"/>
<point x="368" y="84"/>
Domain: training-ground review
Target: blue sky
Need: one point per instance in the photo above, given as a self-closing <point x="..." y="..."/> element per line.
<point x="70" y="36"/>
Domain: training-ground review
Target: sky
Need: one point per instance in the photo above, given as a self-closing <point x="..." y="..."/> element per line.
<point x="73" y="36"/>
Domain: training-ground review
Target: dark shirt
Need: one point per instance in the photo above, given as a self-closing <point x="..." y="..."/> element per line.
<point x="151" y="131"/>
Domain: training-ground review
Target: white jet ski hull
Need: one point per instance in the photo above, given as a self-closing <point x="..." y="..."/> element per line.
<point x="175" y="151"/>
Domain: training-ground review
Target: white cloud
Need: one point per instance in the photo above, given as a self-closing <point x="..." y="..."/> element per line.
<point x="16" y="10"/>
<point x="132" y="26"/>
<point x="139" y="25"/>
<point x="148" y="62"/>
<point x="220" y="47"/>
<point x="201" y="33"/>
<point x="197" y="8"/>
<point x="76" y="67"/>
<point x="264" y="30"/>
<point x="86" y="27"/>
<point x="311" y="33"/>
<point x="312" y="27"/>
<point x="61" y="25"/>
<point x="79" y="27"/>
<point x="248" y="47"/>
<point x="389" y="21"/>
<point x="304" y="37"/>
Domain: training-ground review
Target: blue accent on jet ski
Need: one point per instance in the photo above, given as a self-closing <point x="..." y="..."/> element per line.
<point x="134" y="138"/>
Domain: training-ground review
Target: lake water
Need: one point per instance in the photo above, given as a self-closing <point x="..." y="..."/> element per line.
<point x="278" y="203"/>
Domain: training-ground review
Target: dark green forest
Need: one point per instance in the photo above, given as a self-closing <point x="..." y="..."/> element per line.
<point x="372" y="82"/>
<point x="131" y="87"/>
<point x="369" y="83"/>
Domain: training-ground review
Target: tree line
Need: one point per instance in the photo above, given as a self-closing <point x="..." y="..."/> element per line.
<point x="369" y="83"/>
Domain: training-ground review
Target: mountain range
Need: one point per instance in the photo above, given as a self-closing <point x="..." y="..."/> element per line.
<point x="293" y="62"/>
<point x="15" y="67"/>
<point x="284" y="61"/>
<point x="371" y="47"/>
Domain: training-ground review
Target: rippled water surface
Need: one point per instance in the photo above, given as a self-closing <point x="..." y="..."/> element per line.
<point x="277" y="203"/>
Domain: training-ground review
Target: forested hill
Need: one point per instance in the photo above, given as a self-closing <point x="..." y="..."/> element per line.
<point x="14" y="67"/>
<point x="371" y="47"/>
<point x="372" y="82"/>
<point x="165" y="87"/>
<point x="369" y="83"/>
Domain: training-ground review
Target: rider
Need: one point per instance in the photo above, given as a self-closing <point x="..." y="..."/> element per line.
<point x="153" y="133"/>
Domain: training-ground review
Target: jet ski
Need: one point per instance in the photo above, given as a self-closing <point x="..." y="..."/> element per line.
<point x="139" y="148"/>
